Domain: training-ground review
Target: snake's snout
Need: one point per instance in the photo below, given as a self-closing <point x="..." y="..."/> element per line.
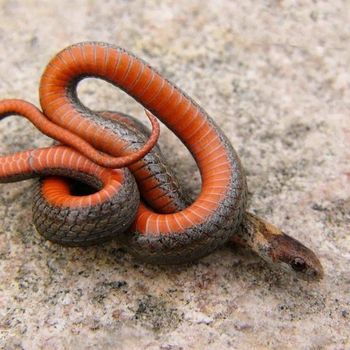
<point x="309" y="271"/>
<point x="296" y="258"/>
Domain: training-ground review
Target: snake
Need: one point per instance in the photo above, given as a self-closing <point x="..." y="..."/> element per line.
<point x="106" y="177"/>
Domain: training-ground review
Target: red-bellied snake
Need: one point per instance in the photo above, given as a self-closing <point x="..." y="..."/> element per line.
<point x="164" y="227"/>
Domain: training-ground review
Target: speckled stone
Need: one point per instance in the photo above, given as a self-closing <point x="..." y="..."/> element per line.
<point x="275" y="76"/>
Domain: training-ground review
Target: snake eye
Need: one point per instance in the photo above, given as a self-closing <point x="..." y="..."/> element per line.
<point x="298" y="265"/>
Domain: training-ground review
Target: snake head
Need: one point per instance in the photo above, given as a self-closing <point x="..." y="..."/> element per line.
<point x="278" y="249"/>
<point x="295" y="258"/>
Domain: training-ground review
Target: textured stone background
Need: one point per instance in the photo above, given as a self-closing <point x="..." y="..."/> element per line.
<point x="275" y="77"/>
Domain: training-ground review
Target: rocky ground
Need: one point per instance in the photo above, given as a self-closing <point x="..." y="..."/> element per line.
<point x="275" y="76"/>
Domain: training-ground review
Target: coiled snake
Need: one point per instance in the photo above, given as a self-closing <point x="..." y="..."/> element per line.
<point x="165" y="227"/>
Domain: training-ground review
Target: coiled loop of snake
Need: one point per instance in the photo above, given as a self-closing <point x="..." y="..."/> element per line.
<point x="163" y="236"/>
<point x="173" y="237"/>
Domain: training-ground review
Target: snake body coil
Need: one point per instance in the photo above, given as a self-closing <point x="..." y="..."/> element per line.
<point x="164" y="230"/>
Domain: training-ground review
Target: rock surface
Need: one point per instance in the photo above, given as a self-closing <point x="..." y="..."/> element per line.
<point x="275" y="76"/>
